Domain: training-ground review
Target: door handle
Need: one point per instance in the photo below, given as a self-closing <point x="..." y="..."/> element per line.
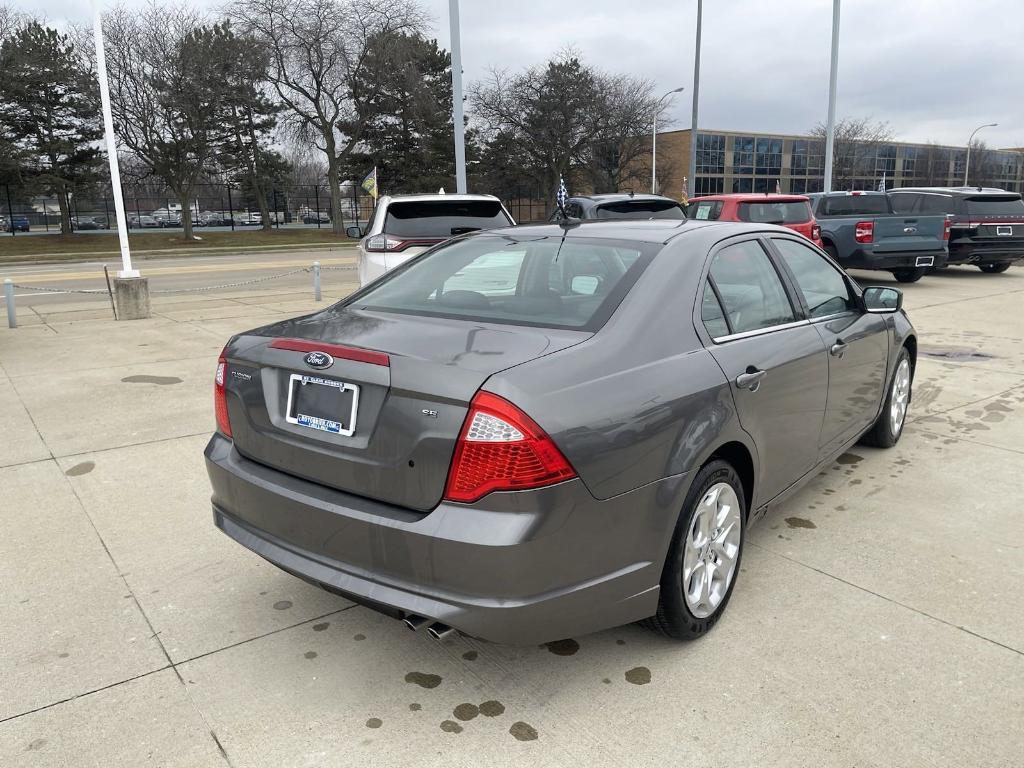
<point x="751" y="379"/>
<point x="838" y="349"/>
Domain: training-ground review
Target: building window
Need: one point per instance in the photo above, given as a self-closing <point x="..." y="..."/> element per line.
<point x="909" y="161"/>
<point x="710" y="153"/>
<point x="743" y="155"/>
<point x="768" y="157"/>
<point x="709" y="185"/>
<point x="798" y="186"/>
<point x="885" y="160"/>
<point x="743" y="185"/>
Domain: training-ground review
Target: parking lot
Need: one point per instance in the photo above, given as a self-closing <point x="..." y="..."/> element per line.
<point x="878" y="619"/>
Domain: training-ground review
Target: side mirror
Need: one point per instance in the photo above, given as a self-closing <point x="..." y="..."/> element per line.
<point x="880" y="299"/>
<point x="354" y="232"/>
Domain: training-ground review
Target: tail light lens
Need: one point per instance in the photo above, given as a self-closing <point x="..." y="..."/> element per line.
<point x="815" y="232"/>
<point x="946" y="230"/>
<point x="382" y="243"/>
<point x="220" y="399"/>
<point x="500" y="448"/>
<point x="864" y="232"/>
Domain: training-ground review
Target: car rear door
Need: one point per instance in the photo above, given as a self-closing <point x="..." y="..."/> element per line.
<point x="776" y="362"/>
<point x="857" y="341"/>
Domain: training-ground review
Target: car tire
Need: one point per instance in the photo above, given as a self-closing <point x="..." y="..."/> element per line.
<point x="832" y="252"/>
<point x="909" y="275"/>
<point x="694" y="549"/>
<point x="886" y="430"/>
<point x="994" y="269"/>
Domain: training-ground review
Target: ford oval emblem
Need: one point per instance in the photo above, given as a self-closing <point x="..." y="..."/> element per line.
<point x="319" y="360"/>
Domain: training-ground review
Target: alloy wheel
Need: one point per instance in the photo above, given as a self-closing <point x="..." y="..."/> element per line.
<point x="900" y="396"/>
<point x="712" y="550"/>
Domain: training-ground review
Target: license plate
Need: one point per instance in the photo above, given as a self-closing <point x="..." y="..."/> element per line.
<point x="324" y="404"/>
<point x="924" y="261"/>
<point x="1004" y="231"/>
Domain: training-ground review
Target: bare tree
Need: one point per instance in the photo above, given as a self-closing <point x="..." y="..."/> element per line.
<point x="11" y="20"/>
<point x="328" y="59"/>
<point x="857" y="141"/>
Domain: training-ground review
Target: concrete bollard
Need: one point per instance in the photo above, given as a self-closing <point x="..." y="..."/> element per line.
<point x="316" y="281"/>
<point x="132" y="297"/>
<point x="12" y="317"/>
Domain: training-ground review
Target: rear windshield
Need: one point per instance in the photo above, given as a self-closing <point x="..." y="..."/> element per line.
<point x="704" y="210"/>
<point x="776" y="212"/>
<point x="436" y="218"/>
<point x="641" y="209"/>
<point x="541" y="281"/>
<point x="995" y="206"/>
<point x="855" y="205"/>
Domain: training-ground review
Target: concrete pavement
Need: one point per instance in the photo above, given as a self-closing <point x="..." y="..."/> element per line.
<point x="878" y="619"/>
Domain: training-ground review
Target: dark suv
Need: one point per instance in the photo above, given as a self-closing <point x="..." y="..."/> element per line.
<point x="987" y="225"/>
<point x="622" y="205"/>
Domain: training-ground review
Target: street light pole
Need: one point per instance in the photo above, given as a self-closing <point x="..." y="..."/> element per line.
<point x="654" y="139"/>
<point x="457" y="116"/>
<point x="833" y="76"/>
<point x="967" y="162"/>
<point x="691" y="185"/>
<point x="108" y="125"/>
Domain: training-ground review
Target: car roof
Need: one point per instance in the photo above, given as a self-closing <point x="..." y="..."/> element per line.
<point x="615" y="197"/>
<point x="435" y="198"/>
<point x="962" y="191"/>
<point x="744" y="197"/>
<point x="639" y="230"/>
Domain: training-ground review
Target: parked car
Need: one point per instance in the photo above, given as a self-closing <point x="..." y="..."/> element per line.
<point x="585" y="450"/>
<point x="253" y="219"/>
<point x="312" y="217"/>
<point x="17" y="223"/>
<point x="86" y="223"/>
<point x="860" y="230"/>
<point x="791" y="211"/>
<point x="987" y="224"/>
<point x="405" y="225"/>
<point x="621" y="205"/>
<point x="142" y="222"/>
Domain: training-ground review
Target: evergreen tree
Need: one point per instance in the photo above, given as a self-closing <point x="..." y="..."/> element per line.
<point x="49" y="113"/>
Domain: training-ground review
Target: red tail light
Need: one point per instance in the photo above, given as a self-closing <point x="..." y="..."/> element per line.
<point x="864" y="232"/>
<point x="946" y="229"/>
<point x="220" y="399"/>
<point x="815" y="232"/>
<point x="500" y="448"/>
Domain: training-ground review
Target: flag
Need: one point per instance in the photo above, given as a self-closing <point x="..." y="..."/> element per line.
<point x="370" y="183"/>
<point x="881" y="184"/>
<point x="685" y="198"/>
<point x="778" y="187"/>
<point x="563" y="194"/>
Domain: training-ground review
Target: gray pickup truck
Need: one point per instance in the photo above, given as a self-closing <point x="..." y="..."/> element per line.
<point x="860" y="231"/>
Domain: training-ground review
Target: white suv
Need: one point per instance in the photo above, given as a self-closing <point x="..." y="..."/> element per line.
<point x="405" y="225"/>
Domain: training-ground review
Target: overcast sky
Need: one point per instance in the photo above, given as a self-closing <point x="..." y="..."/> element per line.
<point x="934" y="69"/>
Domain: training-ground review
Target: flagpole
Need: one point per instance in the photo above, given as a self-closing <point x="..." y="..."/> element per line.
<point x="458" y="121"/>
<point x="830" y="129"/>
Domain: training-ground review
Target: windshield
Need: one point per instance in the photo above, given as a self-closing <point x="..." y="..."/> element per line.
<point x="995" y="206"/>
<point x="776" y="212"/>
<point x="524" y="280"/>
<point x="443" y="218"/>
<point x="855" y="205"/>
<point x="641" y="209"/>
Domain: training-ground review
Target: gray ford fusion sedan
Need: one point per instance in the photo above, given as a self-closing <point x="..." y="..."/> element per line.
<point x="542" y="431"/>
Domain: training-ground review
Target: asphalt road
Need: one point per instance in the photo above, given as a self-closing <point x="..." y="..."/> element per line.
<point x="186" y="272"/>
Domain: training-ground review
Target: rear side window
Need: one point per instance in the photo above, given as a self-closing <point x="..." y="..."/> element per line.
<point x="641" y="209"/>
<point x="823" y="288"/>
<point x="436" y="218"/>
<point x="548" y="282"/>
<point x="712" y="315"/>
<point x="992" y="205"/>
<point x="750" y="288"/>
<point x="796" y="212"/>
<point x="704" y="210"/>
<point x="855" y="205"/>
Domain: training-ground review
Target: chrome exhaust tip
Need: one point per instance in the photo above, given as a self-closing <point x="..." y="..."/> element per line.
<point x="415" y="623"/>
<point x="440" y="631"/>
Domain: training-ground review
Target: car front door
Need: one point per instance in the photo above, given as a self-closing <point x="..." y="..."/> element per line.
<point x="857" y="341"/>
<point x="774" y="359"/>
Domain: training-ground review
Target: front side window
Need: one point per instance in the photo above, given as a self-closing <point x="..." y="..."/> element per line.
<point x="751" y="290"/>
<point x="823" y="287"/>
<point x="520" y="280"/>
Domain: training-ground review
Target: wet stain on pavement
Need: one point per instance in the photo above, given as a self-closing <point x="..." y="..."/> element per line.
<point x="35" y="745"/>
<point x="374" y="722"/>
<point x="63" y="655"/>
<point x="638" y="676"/>
<point x="850" y="458"/>
<point x="620" y="641"/>
<point x="359" y="636"/>
<point x="606" y="681"/>
<point x="492" y="708"/>
<point x="955" y="353"/>
<point x="81" y="469"/>
<point x="414" y="707"/>
<point x="146" y="379"/>
<point x="321" y="627"/>
<point x="470" y="655"/>
<point x="523" y="731"/>
<point x="466" y="711"/>
<point x="799" y="522"/>
<point x="310" y="654"/>
<point x="563" y="647"/>
<point x="423" y="679"/>
<point x="450" y="726"/>
<point x="282" y="605"/>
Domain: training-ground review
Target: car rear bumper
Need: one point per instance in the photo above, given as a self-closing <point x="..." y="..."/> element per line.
<point x="868" y="259"/>
<point x="518" y="568"/>
<point x="986" y="253"/>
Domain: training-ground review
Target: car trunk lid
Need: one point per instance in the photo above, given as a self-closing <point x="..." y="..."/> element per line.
<point x="410" y="377"/>
<point x="902" y="234"/>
